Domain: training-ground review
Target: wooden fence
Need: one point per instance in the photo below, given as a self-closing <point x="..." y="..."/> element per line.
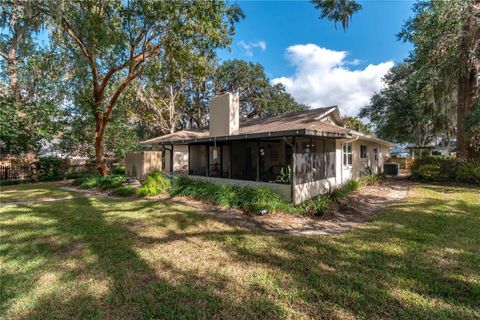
<point x="8" y="172"/>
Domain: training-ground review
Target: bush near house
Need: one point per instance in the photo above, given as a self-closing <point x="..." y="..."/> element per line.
<point x="257" y="199"/>
<point x="445" y="169"/>
<point x="99" y="182"/>
<point x="50" y="168"/>
<point x="156" y="183"/>
<point x="251" y="200"/>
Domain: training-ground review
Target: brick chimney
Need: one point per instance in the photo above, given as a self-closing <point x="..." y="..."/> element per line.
<point x="224" y="115"/>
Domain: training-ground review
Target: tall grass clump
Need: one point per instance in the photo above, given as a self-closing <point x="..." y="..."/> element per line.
<point x="155" y="184"/>
<point x="371" y="179"/>
<point x="124" y="191"/>
<point x="322" y="204"/>
<point x="99" y="182"/>
<point x="341" y="192"/>
<point x="251" y="200"/>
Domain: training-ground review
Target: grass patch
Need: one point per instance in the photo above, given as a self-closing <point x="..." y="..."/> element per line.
<point x="33" y="192"/>
<point x="102" y="258"/>
<point x="125" y="191"/>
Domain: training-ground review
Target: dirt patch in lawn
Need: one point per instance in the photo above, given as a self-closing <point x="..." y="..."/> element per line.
<point x="353" y="210"/>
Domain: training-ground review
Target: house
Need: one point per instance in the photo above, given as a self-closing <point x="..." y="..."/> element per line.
<point x="299" y="155"/>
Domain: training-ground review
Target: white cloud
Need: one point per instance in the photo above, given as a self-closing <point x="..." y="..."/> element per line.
<point x="322" y="78"/>
<point x="250" y="46"/>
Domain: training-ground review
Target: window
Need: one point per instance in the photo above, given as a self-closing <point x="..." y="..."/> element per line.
<point x="363" y="152"/>
<point x="347" y="154"/>
<point x="375" y="154"/>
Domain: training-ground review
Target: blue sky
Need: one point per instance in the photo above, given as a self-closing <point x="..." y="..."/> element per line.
<point x="276" y="35"/>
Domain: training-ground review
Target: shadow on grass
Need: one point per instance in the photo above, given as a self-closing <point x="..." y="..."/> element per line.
<point x="417" y="260"/>
<point x="133" y="288"/>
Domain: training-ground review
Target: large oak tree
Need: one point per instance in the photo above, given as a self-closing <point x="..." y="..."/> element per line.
<point x="114" y="41"/>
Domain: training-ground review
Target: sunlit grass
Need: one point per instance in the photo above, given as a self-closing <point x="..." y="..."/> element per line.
<point x="110" y="259"/>
<point x="32" y="192"/>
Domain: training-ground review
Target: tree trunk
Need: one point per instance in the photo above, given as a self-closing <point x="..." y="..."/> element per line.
<point x="466" y="95"/>
<point x="12" y="66"/>
<point x="101" y="165"/>
<point x="171" y="109"/>
<point x="468" y="83"/>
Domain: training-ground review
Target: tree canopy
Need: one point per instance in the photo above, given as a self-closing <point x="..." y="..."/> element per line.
<point x="434" y="92"/>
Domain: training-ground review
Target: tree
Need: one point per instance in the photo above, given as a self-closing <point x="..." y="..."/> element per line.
<point x="19" y="19"/>
<point x="31" y="94"/>
<point x="405" y="110"/>
<point x="446" y="38"/>
<point x="355" y="123"/>
<point x="337" y="10"/>
<point x="115" y="40"/>
<point x="257" y="97"/>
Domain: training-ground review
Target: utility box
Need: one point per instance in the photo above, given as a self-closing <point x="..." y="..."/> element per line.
<point x="139" y="164"/>
<point x="391" y="169"/>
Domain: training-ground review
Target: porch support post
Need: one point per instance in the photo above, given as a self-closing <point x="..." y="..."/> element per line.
<point x="230" y="160"/>
<point x="221" y="161"/>
<point x="171" y="159"/>
<point x="258" y="160"/>
<point x="208" y="160"/>
<point x="292" y="184"/>
<point x="189" y="153"/>
<point x="311" y="159"/>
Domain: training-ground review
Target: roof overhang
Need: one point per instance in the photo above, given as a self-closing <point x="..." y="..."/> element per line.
<point x="274" y="134"/>
<point x="365" y="137"/>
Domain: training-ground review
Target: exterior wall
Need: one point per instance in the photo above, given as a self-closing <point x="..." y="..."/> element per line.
<point x="283" y="189"/>
<point x="139" y="164"/>
<point x="361" y="164"/>
<point x="309" y="190"/>
<point x="343" y="173"/>
<point x="224" y="115"/>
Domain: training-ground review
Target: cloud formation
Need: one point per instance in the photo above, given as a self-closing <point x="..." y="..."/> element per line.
<point x="250" y="46"/>
<point x="322" y="78"/>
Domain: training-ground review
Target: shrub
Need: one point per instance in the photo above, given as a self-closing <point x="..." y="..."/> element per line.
<point x="442" y="169"/>
<point x="124" y="191"/>
<point x="49" y="168"/>
<point x="81" y="179"/>
<point x="111" y="182"/>
<point x="371" y="179"/>
<point x="226" y="195"/>
<point x="252" y="200"/>
<point x="120" y="170"/>
<point x="469" y="173"/>
<point x="340" y="192"/>
<point x="8" y="182"/>
<point x="320" y="205"/>
<point x="256" y="200"/>
<point x="102" y="183"/>
<point x="434" y="168"/>
<point x="155" y="184"/>
<point x="88" y="182"/>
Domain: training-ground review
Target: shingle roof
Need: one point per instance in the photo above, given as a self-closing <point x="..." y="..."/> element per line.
<point x="285" y="122"/>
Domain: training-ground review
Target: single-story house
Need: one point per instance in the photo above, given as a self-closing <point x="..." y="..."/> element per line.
<point x="299" y="155"/>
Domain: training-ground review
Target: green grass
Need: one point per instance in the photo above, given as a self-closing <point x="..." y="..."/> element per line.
<point x="33" y="192"/>
<point x="95" y="258"/>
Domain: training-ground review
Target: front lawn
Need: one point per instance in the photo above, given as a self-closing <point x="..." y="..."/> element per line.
<point x="95" y="258"/>
<point x="33" y="192"/>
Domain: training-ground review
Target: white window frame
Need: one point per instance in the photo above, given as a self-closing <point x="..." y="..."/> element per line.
<point x="375" y="154"/>
<point x="347" y="156"/>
